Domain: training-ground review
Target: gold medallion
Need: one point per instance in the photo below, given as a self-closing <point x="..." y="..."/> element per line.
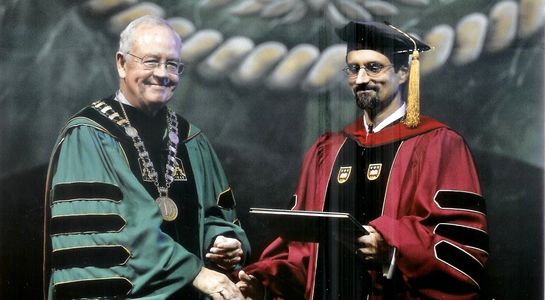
<point x="168" y="208"/>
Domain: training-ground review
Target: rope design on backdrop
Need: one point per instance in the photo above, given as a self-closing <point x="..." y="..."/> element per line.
<point x="305" y="67"/>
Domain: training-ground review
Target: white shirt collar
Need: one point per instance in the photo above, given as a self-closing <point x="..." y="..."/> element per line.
<point x="121" y="98"/>
<point x="398" y="114"/>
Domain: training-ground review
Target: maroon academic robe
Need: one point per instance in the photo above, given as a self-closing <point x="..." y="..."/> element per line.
<point x="432" y="214"/>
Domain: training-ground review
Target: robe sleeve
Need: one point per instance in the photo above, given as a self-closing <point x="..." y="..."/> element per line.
<point x="435" y="217"/>
<point x="215" y="194"/>
<point x="105" y="228"/>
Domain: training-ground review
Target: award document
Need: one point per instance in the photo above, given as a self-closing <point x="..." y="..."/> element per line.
<point x="310" y="226"/>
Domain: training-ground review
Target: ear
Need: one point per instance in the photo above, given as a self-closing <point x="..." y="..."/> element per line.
<point x="121" y="64"/>
<point x="403" y="74"/>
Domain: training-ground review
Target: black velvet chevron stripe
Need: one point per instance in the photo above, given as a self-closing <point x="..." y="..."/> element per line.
<point x="460" y="260"/>
<point x="468" y="236"/>
<point x="96" y="256"/>
<point x="108" y="288"/>
<point x="71" y="224"/>
<point x="293" y="202"/>
<point x="226" y="199"/>
<point x="87" y="190"/>
<point x="460" y="200"/>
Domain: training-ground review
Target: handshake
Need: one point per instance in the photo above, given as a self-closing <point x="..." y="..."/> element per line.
<point x="218" y="286"/>
<point x="227" y="253"/>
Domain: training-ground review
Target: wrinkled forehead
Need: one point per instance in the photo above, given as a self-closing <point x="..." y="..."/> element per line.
<point x="156" y="38"/>
<point x="151" y="31"/>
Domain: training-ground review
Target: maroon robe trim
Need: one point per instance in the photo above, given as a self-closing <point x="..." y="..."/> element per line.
<point x="389" y="134"/>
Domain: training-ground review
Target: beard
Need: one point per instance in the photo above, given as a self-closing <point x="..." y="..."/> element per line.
<point x="367" y="100"/>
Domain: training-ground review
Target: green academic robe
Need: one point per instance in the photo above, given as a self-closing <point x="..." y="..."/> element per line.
<point x="103" y="234"/>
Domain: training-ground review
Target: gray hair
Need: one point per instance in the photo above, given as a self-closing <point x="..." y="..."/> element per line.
<point x="126" y="37"/>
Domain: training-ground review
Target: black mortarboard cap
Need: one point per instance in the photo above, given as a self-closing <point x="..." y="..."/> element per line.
<point x="380" y="37"/>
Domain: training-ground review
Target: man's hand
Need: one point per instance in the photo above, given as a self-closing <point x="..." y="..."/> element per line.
<point x="250" y="286"/>
<point x="225" y="252"/>
<point x="370" y="246"/>
<point x="216" y="285"/>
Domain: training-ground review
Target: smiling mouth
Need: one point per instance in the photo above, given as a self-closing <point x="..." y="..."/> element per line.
<point x="159" y="85"/>
<point x="367" y="91"/>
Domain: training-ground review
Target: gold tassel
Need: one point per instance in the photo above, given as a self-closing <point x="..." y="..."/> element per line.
<point x="412" y="116"/>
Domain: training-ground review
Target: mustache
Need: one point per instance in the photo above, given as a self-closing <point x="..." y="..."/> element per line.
<point x="162" y="82"/>
<point x="363" y="88"/>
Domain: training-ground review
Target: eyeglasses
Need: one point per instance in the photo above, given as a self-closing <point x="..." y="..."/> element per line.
<point x="372" y="69"/>
<point x="150" y="63"/>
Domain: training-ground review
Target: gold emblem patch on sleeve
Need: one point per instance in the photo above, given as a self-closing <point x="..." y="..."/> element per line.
<point x="373" y="171"/>
<point x="344" y="174"/>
